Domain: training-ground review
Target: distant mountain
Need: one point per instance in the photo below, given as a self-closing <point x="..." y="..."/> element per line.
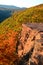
<point x="4" y="14"/>
<point x="9" y="7"/>
<point x="7" y="10"/>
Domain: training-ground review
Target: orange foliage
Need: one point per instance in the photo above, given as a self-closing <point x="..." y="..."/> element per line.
<point x="8" y="48"/>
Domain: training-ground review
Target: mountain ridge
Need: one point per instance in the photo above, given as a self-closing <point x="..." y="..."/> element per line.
<point x="9" y="6"/>
<point x="7" y="10"/>
<point x="29" y="15"/>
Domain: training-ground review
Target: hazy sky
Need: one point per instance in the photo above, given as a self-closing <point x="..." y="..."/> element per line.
<point x="21" y="3"/>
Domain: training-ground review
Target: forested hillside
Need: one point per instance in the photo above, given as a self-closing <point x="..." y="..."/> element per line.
<point x="33" y="14"/>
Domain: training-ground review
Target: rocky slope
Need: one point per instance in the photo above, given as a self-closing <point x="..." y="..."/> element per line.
<point x="30" y="47"/>
<point x="23" y="49"/>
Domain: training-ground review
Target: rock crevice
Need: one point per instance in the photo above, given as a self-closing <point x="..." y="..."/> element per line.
<point x="30" y="48"/>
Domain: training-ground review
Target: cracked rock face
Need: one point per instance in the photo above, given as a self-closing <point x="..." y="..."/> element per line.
<point x="30" y="48"/>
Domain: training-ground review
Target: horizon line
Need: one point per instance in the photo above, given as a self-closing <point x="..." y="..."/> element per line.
<point x="21" y="7"/>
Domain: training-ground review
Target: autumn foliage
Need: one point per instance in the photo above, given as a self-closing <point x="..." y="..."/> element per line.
<point x="8" y="54"/>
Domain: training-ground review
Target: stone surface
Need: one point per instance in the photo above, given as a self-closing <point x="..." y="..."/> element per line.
<point x="30" y="48"/>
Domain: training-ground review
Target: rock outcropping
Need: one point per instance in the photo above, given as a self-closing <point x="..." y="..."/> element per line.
<point x="30" y="47"/>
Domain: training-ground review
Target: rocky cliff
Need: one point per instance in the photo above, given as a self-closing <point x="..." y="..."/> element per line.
<point x="30" y="47"/>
